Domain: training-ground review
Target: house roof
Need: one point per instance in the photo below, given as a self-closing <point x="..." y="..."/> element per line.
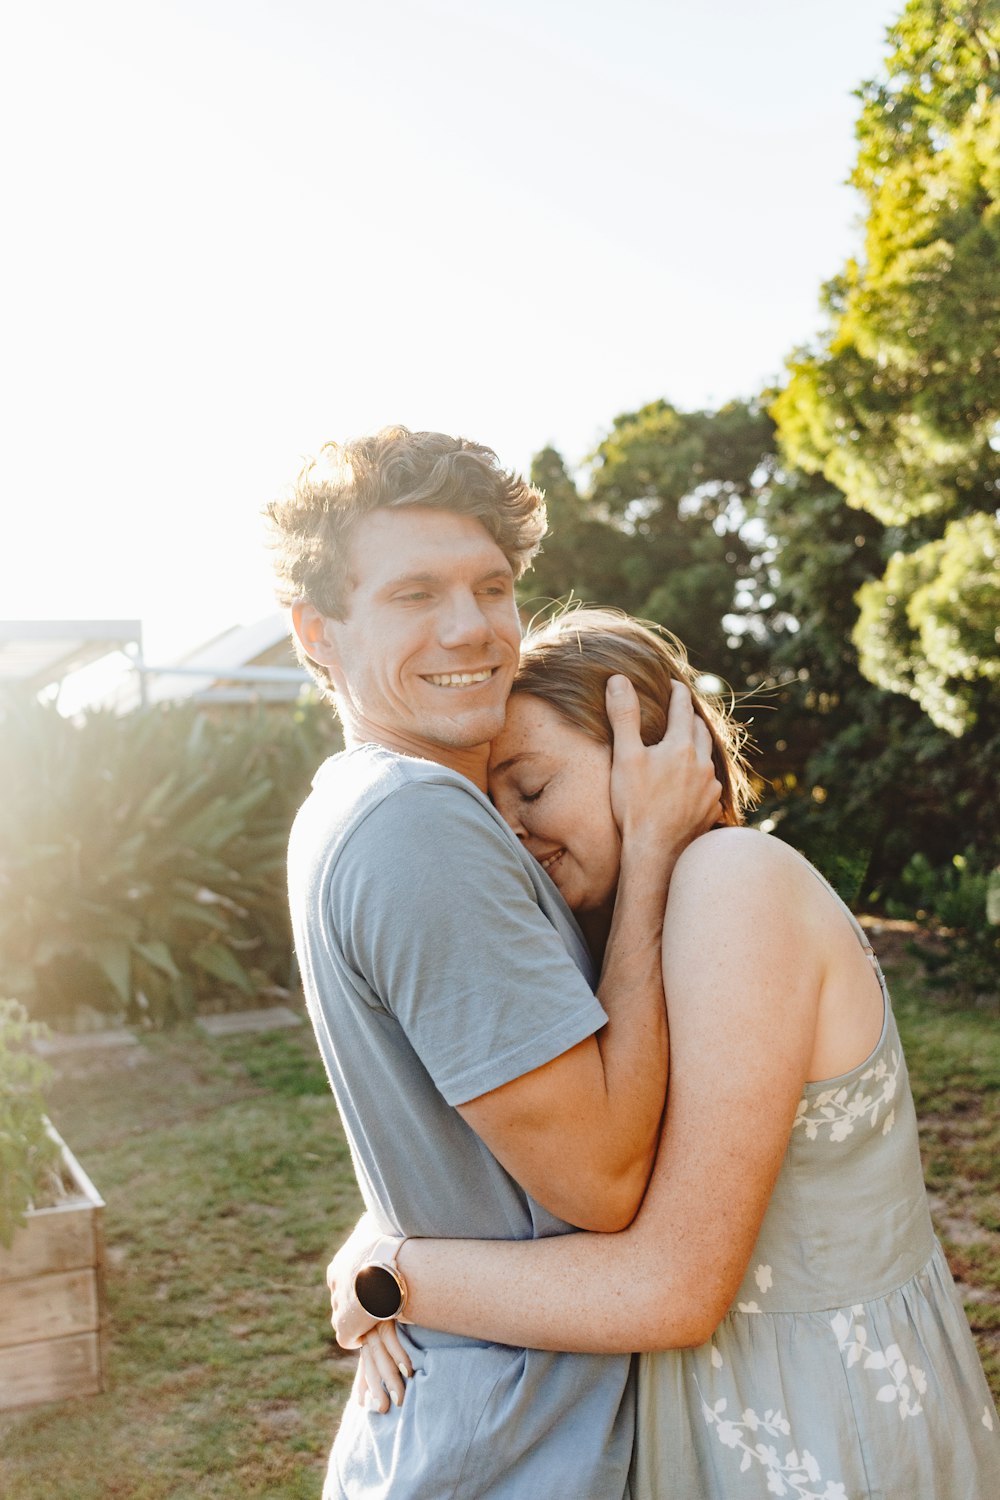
<point x="245" y="663"/>
<point x="37" y="653"/>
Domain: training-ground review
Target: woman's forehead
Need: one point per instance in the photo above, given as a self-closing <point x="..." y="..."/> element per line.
<point x="530" y="726"/>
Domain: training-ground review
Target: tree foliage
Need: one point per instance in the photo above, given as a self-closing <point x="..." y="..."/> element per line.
<point x="859" y="778"/>
<point x="929" y="626"/>
<point x="689" y="517"/>
<point x="900" y="405"/>
<point x="661" y="527"/>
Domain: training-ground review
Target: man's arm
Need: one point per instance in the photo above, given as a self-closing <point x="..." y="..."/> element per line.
<point x="743" y="1023"/>
<point x="580" y="1133"/>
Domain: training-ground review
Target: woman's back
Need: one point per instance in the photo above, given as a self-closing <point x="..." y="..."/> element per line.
<point x="845" y="1368"/>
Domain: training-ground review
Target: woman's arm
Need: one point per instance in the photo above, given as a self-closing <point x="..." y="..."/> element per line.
<point x="743" y="972"/>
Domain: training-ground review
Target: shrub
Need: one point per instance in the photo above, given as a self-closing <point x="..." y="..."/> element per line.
<point x="960" y="902"/>
<point x="29" y="1154"/>
<point x="143" y="870"/>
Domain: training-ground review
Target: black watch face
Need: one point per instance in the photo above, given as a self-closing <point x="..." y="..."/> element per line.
<point x="378" y="1291"/>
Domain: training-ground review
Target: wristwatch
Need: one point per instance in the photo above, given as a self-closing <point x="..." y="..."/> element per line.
<point x="378" y="1284"/>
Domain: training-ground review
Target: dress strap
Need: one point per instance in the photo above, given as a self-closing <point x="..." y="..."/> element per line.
<point x="860" y="933"/>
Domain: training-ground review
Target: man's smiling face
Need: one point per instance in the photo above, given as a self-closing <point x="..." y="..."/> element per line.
<point x="424" y="661"/>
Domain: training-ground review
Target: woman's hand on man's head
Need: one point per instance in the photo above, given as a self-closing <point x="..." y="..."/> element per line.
<point x="664" y="794"/>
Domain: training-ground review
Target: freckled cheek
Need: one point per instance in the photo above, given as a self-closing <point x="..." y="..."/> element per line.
<point x="533" y="825"/>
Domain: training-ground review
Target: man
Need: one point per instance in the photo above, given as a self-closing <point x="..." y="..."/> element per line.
<point x="485" y="1090"/>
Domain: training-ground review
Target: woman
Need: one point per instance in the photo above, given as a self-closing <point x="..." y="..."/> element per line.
<point x="799" y="1330"/>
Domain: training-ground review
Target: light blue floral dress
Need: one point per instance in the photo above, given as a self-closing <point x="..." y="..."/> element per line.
<point x="845" y="1369"/>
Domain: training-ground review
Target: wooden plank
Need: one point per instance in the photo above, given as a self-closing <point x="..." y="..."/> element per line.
<point x="80" y="1179"/>
<point x="48" y="1307"/>
<point x="101" y="1279"/>
<point x="60" y="1238"/>
<point x="53" y="1239"/>
<point x="50" y="1371"/>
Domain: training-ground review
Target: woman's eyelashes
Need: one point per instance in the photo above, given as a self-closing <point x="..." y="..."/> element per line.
<point x="533" y="796"/>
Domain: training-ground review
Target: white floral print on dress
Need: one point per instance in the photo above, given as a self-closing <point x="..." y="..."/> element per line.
<point x="764" y="1278"/>
<point x="852" y="1337"/>
<point x="793" y="1474"/>
<point x="841" y="1110"/>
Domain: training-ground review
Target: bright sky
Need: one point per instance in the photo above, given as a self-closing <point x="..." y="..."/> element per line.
<point x="236" y="228"/>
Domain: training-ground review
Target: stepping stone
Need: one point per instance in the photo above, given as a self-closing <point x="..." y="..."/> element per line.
<point x="233" y="1023"/>
<point x="60" y="1043"/>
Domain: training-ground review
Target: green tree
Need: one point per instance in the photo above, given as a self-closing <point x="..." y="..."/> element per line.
<point x="900" y="405"/>
<point x="929" y="627"/>
<point x="583" y="554"/>
<point x="662" y="528"/>
<point x="858" y="778"/>
<point x="690" y="519"/>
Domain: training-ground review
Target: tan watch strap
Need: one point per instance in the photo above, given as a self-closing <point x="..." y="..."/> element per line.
<point x="379" y="1284"/>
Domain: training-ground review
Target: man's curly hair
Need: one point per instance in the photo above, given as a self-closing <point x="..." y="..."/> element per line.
<point x="310" y="529"/>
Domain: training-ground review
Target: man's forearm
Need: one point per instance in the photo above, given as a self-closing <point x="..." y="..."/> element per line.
<point x="580" y="1133"/>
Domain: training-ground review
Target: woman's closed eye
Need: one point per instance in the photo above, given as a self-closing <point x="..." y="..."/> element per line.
<point x="533" y="796"/>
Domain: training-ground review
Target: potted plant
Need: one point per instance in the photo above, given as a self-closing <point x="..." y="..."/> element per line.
<point x="51" y="1239"/>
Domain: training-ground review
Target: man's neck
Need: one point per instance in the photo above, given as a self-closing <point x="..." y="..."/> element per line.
<point x="469" y="762"/>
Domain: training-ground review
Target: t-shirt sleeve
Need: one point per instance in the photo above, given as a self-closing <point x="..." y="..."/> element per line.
<point x="433" y="908"/>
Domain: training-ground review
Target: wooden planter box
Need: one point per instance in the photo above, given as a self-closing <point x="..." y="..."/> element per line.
<point x="52" y="1299"/>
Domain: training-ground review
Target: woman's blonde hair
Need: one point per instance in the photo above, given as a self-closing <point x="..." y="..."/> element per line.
<point x="567" y="662"/>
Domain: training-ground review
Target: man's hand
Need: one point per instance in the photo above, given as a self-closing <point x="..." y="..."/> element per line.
<point x="385" y="1365"/>
<point x="662" y="795"/>
<point x="349" y="1319"/>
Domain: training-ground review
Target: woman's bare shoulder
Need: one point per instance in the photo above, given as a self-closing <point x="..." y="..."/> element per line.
<point x="762" y="904"/>
<point x="734" y="853"/>
<point x="751" y="880"/>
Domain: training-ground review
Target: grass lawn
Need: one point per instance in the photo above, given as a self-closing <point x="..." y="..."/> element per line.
<point x="228" y="1184"/>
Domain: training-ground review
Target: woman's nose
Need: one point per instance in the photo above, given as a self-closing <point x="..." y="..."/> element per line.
<point x="510" y="817"/>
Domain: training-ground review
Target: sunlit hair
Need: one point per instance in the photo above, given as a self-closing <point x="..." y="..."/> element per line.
<point x="567" y="662"/>
<point x="310" y="530"/>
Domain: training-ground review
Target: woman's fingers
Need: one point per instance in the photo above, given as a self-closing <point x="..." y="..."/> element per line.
<point x="381" y="1371"/>
<point x="622" y="704"/>
<point x="680" y="711"/>
<point x="376" y="1397"/>
<point x="666" y="794"/>
<point x="394" y="1345"/>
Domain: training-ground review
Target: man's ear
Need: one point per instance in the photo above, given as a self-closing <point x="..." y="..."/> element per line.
<point x="315" y="634"/>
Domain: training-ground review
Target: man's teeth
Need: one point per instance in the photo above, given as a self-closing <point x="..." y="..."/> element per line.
<point x="460" y="679"/>
<point x="550" y="860"/>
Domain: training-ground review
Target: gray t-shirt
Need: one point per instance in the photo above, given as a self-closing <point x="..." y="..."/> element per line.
<point x="440" y="962"/>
